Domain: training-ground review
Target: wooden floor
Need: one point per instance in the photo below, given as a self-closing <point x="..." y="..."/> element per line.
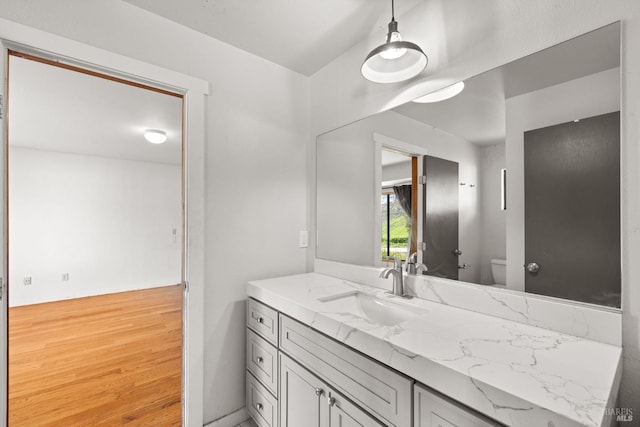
<point x="98" y="361"/>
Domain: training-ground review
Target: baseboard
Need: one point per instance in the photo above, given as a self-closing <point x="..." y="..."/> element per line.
<point x="230" y="420"/>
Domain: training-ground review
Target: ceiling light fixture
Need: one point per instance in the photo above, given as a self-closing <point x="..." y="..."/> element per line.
<point x="442" y="94"/>
<point x="155" y="136"/>
<point x="395" y="60"/>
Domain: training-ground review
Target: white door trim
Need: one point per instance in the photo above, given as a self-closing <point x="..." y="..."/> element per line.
<point x="4" y="304"/>
<point x="379" y="142"/>
<point x="38" y="42"/>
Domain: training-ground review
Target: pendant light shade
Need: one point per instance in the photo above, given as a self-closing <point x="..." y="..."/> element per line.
<point x="395" y="60"/>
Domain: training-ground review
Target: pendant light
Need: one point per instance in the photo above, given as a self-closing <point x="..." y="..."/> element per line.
<point x="395" y="60"/>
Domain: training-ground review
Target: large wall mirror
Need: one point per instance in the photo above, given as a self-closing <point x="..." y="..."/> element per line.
<point x="512" y="183"/>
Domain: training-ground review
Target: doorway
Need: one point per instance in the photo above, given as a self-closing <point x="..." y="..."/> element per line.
<point x="96" y="220"/>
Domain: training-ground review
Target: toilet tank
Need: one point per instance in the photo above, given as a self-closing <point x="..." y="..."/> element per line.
<point x="499" y="271"/>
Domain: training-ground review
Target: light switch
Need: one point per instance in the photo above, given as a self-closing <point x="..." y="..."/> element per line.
<point x="27" y="281"/>
<point x="304" y="239"/>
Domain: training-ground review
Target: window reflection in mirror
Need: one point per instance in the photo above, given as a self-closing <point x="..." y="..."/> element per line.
<point x="395" y="205"/>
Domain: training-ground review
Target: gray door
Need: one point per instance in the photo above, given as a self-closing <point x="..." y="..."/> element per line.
<point x="572" y="210"/>
<point x="440" y="231"/>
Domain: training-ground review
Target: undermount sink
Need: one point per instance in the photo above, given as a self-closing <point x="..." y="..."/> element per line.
<point x="379" y="310"/>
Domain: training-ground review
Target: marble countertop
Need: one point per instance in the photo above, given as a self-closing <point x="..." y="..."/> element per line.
<point x="518" y="374"/>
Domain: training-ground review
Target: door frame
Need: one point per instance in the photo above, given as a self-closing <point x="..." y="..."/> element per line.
<point x="25" y="39"/>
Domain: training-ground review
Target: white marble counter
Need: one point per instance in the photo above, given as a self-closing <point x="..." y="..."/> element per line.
<point x="518" y="374"/>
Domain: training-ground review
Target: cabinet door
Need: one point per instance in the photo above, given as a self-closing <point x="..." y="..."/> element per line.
<point x="302" y="396"/>
<point x="343" y="413"/>
<point x="431" y="409"/>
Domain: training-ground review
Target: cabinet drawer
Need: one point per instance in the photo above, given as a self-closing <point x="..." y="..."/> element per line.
<point x="263" y="320"/>
<point x="371" y="385"/>
<point x="262" y="406"/>
<point x="435" y="410"/>
<point x="262" y="361"/>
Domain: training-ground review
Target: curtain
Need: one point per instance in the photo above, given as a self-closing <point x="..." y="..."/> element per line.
<point x="403" y="195"/>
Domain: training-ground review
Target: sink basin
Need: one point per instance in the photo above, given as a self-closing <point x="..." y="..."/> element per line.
<point x="381" y="310"/>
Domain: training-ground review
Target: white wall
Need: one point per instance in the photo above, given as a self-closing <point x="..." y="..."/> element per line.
<point x="581" y="98"/>
<point x="466" y="37"/>
<point x="346" y="185"/>
<point x="397" y="171"/>
<point x="493" y="240"/>
<point x="346" y="195"/>
<point x="106" y="222"/>
<point x="256" y="154"/>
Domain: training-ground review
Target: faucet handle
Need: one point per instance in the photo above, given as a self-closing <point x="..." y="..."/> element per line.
<point x="414" y="268"/>
<point x="397" y="263"/>
<point x="412" y="261"/>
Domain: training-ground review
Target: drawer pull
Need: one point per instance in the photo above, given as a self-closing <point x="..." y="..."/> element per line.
<point x="319" y="392"/>
<point x="260" y="359"/>
<point x="331" y="401"/>
<point x="260" y="319"/>
<point x="259" y="406"/>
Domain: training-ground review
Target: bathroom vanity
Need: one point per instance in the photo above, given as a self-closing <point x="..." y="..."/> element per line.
<point x="323" y="351"/>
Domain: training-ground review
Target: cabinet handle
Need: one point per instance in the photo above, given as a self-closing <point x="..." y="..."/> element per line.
<point x="319" y="392"/>
<point x="259" y="406"/>
<point x="260" y="319"/>
<point x="260" y="359"/>
<point x="331" y="401"/>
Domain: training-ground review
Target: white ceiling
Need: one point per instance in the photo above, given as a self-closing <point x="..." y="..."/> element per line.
<point x="302" y="35"/>
<point x="478" y="113"/>
<point x="52" y="108"/>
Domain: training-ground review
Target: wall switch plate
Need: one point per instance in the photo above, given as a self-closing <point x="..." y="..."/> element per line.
<point x="65" y="277"/>
<point x="304" y="239"/>
<point x="27" y="281"/>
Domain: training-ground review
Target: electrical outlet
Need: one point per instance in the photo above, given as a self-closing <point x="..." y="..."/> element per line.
<point x="65" y="277"/>
<point x="27" y="281"/>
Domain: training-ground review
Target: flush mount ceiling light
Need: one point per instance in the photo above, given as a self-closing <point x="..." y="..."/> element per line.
<point x="442" y="94"/>
<point x="395" y="60"/>
<point x="155" y="136"/>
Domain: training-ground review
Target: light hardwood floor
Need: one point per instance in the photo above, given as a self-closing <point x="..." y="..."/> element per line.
<point x="98" y="361"/>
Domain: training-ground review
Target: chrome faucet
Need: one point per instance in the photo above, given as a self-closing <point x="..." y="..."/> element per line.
<point x="396" y="272"/>
<point x="412" y="265"/>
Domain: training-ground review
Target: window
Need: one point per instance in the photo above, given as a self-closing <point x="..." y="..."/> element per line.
<point x="395" y="227"/>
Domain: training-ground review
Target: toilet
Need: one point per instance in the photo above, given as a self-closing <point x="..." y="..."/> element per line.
<point x="499" y="271"/>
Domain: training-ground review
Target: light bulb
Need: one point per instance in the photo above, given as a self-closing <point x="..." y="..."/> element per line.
<point x="393" y="53"/>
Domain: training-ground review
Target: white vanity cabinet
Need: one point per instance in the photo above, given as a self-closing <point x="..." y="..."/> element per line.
<point x="431" y="409"/>
<point x="381" y="391"/>
<point x="298" y="377"/>
<point x="262" y="364"/>
<point x="308" y="401"/>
